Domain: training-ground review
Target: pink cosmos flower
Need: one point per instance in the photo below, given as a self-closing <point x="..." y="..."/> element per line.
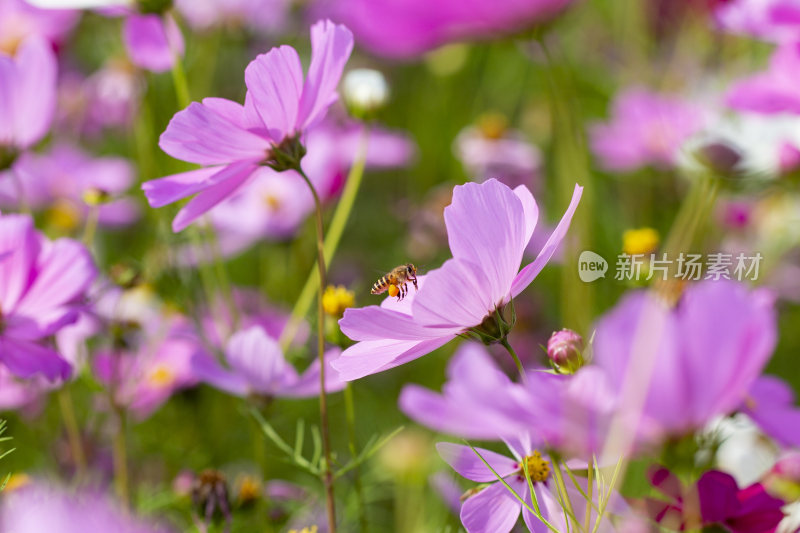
<point x="234" y="140"/>
<point x="646" y="128"/>
<point x="274" y="205"/>
<point x="770" y="403"/>
<point x="773" y="91"/>
<point x="60" y="178"/>
<point x="258" y="367"/>
<point x="707" y="353"/>
<point x="20" y="20"/>
<point x="407" y="28"/>
<point x="40" y="283"/>
<point x="28" y="86"/>
<point x="488" y="227"/>
<point x="719" y="501"/>
<point x="494" y="509"/>
<point x="505" y="155"/>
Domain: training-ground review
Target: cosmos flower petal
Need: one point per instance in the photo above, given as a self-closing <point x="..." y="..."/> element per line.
<point x="25" y="359"/>
<point x="274" y="86"/>
<point x="198" y="134"/>
<point x="164" y="191"/>
<point x="19" y="242"/>
<point x="487" y="226"/>
<point x="455" y="296"/>
<point x="370" y="357"/>
<point x="438" y="412"/>
<point x="230" y="179"/>
<point x="152" y="41"/>
<point x="770" y="404"/>
<point x="34" y="92"/>
<point x="529" y="208"/>
<point x="307" y="384"/>
<point x="208" y="370"/>
<point x="375" y="323"/>
<point x="493" y="510"/>
<point x="529" y="273"/>
<point x="666" y="482"/>
<point x="64" y="271"/>
<point x="331" y="45"/>
<point x="466" y="462"/>
<point x="254" y="354"/>
<point x="773" y="91"/>
<point x="718" y="495"/>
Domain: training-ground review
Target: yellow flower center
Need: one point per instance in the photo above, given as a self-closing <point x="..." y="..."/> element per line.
<point x="492" y="125"/>
<point x="640" y="241"/>
<point x="336" y="299"/>
<point x="17" y="481"/>
<point x="272" y="201"/>
<point x="161" y="376"/>
<point x="537" y="466"/>
<point x="249" y="489"/>
<point x="311" y="529"/>
<point x="64" y="215"/>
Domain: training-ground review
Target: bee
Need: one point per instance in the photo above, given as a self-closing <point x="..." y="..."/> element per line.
<point x="396" y="281"/>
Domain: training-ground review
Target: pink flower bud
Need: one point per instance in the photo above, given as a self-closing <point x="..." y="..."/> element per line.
<point x="564" y="350"/>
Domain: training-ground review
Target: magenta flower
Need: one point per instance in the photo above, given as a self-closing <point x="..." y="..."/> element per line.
<point x="769" y="20"/>
<point x="719" y="502"/>
<point x="40" y="283"/>
<point x="407" y="28"/>
<point x="494" y="509"/>
<point x="772" y="91"/>
<point x="489" y="227"/>
<point x="646" y="128"/>
<point x="708" y="351"/>
<point x="234" y="140"/>
<point x="60" y="179"/>
<point x="28" y="86"/>
<point x="258" y="367"/>
<point x="257" y="15"/>
<point x="39" y="507"/>
<point x="771" y="404"/>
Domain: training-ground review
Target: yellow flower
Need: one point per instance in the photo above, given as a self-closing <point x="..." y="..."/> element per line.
<point x="336" y="299"/>
<point x="17" y="481"/>
<point x="640" y="241"/>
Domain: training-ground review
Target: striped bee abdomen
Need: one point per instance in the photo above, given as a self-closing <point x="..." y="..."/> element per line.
<point x="380" y="286"/>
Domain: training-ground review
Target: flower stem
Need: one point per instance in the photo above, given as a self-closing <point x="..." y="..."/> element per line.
<point x="587" y="521"/>
<point x="73" y="431"/>
<point x="120" y="457"/>
<point x="517" y="362"/>
<point x="179" y="81"/>
<point x="90" y="228"/>
<point x="338" y="223"/>
<point x="351" y="434"/>
<point x="327" y="474"/>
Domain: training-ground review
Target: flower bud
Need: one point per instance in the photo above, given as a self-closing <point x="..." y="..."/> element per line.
<point x="564" y="350"/>
<point x="365" y="91"/>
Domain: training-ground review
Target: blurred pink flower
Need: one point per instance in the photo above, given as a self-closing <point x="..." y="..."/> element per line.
<point x="770" y="403"/>
<point x="508" y="157"/>
<point x="488" y="227"/>
<point x="769" y="20"/>
<point x="407" y="28"/>
<point x="707" y="353"/>
<point x="63" y="175"/>
<point x="258" y="15"/>
<point x="40" y="283"/>
<point x="646" y="128"/>
<point x="234" y="139"/>
<point x="20" y="20"/>
<point x="39" y="507"/>
<point x="143" y="375"/>
<point x="258" y="367"/>
<point x="28" y="86"/>
<point x="774" y="91"/>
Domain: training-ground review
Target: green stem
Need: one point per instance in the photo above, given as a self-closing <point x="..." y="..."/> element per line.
<point x="327" y="474"/>
<point x="338" y="224"/>
<point x="587" y="521"/>
<point x="120" y="457"/>
<point x="73" y="431"/>
<point x="566" y="503"/>
<point x="181" y="85"/>
<point x="91" y="225"/>
<point x="351" y="434"/>
<point x="515" y="357"/>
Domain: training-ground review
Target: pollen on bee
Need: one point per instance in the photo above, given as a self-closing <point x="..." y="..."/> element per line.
<point x="393" y="290"/>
